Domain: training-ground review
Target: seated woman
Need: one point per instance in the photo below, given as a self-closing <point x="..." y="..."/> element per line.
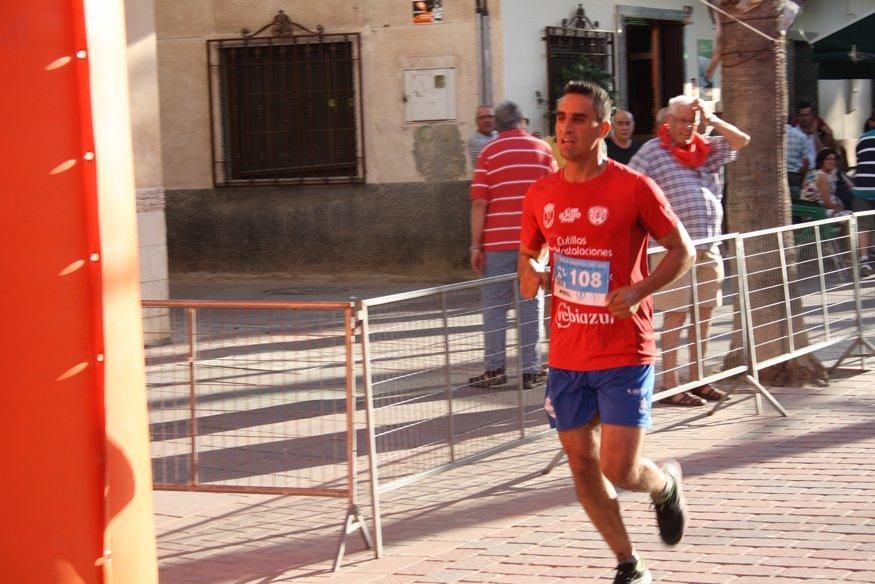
<point x="820" y="184"/>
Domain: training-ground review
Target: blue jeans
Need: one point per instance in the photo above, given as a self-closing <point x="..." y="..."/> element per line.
<point x="497" y="299"/>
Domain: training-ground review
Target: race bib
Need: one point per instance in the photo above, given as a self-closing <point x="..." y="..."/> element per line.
<point x="581" y="281"/>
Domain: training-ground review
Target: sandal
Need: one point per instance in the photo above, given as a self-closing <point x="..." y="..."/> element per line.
<point x="709" y="393"/>
<point x="684" y="399"/>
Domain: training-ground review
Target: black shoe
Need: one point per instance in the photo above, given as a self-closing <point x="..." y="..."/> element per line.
<point x="636" y="573"/>
<point x="491" y="378"/>
<point x="671" y="514"/>
<point x="530" y="380"/>
<point x="865" y="268"/>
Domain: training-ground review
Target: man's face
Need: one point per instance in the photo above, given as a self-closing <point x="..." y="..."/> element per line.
<point x="682" y="125"/>
<point x="806" y="119"/>
<point x="578" y="128"/>
<point x="624" y="125"/>
<point x="485" y="120"/>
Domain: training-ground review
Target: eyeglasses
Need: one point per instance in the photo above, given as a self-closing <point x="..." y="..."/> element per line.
<point x="485" y="117"/>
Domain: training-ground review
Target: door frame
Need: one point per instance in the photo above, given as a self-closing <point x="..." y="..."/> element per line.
<point x="624" y="12"/>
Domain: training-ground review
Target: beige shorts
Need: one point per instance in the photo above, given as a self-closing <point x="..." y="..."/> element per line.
<point x="678" y="296"/>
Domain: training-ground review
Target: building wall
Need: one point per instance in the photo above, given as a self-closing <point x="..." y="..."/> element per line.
<point x="390" y="44"/>
<point x="416" y="173"/>
<point x="148" y="172"/>
<point x="414" y="229"/>
<point x="526" y="52"/>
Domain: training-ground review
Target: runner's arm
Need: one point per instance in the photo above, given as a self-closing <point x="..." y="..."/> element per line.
<point x="623" y="302"/>
<point x="678" y="259"/>
<point x="530" y="279"/>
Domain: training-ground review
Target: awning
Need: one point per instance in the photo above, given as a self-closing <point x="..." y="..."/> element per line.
<point x="847" y="52"/>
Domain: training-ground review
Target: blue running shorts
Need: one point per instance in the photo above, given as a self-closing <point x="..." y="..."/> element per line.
<point x="621" y="396"/>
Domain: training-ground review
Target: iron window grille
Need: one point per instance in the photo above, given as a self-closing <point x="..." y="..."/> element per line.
<point x="286" y="108"/>
<point x="569" y="44"/>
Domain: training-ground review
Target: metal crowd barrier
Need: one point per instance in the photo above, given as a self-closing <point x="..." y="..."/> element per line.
<point x="719" y="354"/>
<point x="260" y="397"/>
<point x="254" y="397"/>
<point x="424" y="415"/>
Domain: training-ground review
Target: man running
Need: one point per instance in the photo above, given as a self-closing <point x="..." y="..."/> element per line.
<point x="596" y="216"/>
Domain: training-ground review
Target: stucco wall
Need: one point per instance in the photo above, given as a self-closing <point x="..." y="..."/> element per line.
<point x="148" y="171"/>
<point x="412" y="215"/>
<point x="394" y="149"/>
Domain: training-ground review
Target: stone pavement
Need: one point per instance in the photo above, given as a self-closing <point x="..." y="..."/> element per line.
<point x="773" y="499"/>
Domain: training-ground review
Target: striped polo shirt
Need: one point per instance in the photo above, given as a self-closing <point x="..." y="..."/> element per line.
<point x="505" y="169"/>
<point x="864" y="178"/>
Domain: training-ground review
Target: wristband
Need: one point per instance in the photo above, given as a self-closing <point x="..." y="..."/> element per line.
<point x="474" y="248"/>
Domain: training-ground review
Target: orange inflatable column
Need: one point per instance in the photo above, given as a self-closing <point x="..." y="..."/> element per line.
<point x="76" y="483"/>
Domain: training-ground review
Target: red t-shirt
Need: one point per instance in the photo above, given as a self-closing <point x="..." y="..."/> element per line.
<point x="597" y="232"/>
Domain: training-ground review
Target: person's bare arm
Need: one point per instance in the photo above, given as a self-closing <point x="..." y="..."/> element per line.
<point x="822" y="184"/>
<point x="530" y="279"/>
<point x="736" y="138"/>
<point x="623" y="302"/>
<point x="478" y="219"/>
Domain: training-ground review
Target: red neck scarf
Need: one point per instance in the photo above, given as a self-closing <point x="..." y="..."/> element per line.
<point x="693" y="155"/>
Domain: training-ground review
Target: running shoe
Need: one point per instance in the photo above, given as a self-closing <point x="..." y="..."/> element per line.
<point x="671" y="513"/>
<point x="636" y="573"/>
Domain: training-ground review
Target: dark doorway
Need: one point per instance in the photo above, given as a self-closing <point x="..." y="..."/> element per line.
<point x="654" y="68"/>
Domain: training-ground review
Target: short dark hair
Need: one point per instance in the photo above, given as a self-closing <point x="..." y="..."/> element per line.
<point x="601" y="101"/>
<point x="803" y="104"/>
<point x="821" y="156"/>
<point x="508" y="116"/>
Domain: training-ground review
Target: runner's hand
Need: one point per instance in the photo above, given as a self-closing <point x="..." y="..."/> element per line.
<point x="623" y="302"/>
<point x="532" y="279"/>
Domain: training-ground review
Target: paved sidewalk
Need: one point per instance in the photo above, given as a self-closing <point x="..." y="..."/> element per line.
<point x="773" y="499"/>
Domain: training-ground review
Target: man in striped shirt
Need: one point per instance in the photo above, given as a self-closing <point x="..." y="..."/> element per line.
<point x="505" y="168"/>
<point x="864" y="193"/>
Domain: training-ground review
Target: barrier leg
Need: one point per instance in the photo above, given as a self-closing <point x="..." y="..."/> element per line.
<point x="555" y="462"/>
<point x="761" y="391"/>
<point x="858" y="342"/>
<point x="352" y="523"/>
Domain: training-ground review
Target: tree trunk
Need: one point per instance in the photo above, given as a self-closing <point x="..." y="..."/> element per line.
<point x="755" y="99"/>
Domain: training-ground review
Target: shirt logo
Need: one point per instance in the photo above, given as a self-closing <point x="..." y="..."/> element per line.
<point x="569" y="215"/>
<point x="567" y="316"/>
<point x="597" y="215"/>
<point x="549" y="215"/>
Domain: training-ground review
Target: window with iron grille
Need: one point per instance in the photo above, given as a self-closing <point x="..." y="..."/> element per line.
<point x="571" y="51"/>
<point x="286" y="110"/>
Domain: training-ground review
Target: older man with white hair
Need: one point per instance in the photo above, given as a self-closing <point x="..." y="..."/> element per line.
<point x="686" y="165"/>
